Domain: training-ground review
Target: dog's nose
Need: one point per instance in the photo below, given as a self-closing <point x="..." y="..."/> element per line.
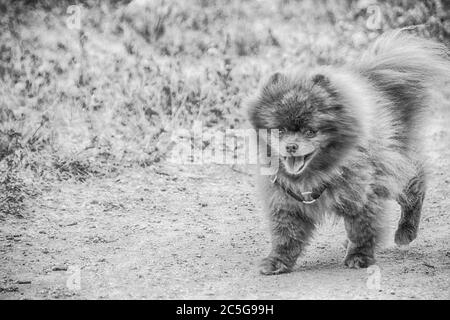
<point x="291" y="147"/>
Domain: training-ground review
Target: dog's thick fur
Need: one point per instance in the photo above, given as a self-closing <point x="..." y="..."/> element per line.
<point x="361" y="122"/>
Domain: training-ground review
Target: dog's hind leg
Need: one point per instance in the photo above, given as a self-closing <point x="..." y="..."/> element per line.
<point x="410" y="201"/>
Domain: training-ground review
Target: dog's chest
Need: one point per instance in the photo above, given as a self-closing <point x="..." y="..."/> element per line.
<point x="278" y="199"/>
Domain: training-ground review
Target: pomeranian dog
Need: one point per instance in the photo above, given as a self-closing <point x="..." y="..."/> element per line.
<point x="347" y="143"/>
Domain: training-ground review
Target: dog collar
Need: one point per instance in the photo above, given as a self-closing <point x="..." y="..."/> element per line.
<point x="308" y="197"/>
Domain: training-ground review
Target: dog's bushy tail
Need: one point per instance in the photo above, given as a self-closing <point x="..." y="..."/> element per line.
<point x="400" y="57"/>
<point x="403" y="67"/>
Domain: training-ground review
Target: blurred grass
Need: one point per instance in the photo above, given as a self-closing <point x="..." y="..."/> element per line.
<point x="76" y="103"/>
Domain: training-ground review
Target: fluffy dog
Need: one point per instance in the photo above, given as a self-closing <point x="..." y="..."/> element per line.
<point x="347" y="143"/>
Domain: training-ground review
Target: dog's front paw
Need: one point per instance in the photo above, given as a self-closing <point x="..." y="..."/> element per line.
<point x="273" y="265"/>
<point x="358" y="260"/>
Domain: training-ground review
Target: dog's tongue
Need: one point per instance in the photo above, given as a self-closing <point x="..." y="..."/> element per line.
<point x="295" y="163"/>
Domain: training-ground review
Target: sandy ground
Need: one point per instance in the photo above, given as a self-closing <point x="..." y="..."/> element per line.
<point x="198" y="232"/>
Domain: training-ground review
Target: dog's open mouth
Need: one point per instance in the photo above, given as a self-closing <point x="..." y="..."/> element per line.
<point x="295" y="164"/>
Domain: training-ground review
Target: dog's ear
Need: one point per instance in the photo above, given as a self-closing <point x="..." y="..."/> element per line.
<point x="273" y="84"/>
<point x="275" y="79"/>
<point x="321" y="80"/>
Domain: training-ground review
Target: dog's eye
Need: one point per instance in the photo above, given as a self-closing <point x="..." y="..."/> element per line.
<point x="282" y="130"/>
<point x="310" y="134"/>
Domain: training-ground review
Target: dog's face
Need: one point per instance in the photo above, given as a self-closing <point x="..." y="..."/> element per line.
<point x="314" y="126"/>
<point x="297" y="148"/>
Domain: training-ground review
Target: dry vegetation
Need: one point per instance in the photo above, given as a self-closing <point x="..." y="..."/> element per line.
<point x="76" y="103"/>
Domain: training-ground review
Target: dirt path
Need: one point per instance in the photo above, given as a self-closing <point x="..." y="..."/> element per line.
<point x="195" y="232"/>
